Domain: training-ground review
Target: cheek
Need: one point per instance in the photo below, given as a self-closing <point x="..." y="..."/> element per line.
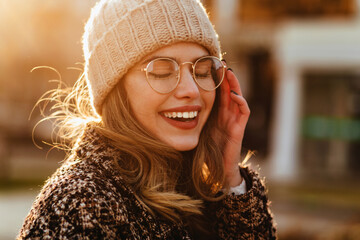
<point x="211" y="103"/>
<point x="143" y="102"/>
<point x="209" y="100"/>
<point x="141" y="105"/>
<point x="133" y="96"/>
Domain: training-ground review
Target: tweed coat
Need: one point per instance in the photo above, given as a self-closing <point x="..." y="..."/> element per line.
<point x="87" y="199"/>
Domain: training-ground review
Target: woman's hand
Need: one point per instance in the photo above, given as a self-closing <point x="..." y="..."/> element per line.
<point x="233" y="115"/>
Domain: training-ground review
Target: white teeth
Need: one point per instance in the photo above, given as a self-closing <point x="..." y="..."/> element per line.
<point x="181" y="114"/>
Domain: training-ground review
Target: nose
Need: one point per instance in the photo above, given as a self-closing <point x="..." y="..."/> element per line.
<point x="187" y="87"/>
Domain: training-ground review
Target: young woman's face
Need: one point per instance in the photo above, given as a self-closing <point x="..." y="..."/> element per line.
<point x="156" y="111"/>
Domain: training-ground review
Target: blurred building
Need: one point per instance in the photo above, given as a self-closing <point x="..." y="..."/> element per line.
<point x="298" y="63"/>
<point x="34" y="33"/>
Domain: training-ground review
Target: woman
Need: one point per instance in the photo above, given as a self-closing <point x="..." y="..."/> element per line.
<point x="158" y="157"/>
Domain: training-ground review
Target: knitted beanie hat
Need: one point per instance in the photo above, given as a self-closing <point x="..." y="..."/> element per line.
<point x="119" y="33"/>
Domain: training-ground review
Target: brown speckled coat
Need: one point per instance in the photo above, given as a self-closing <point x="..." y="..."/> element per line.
<point x="87" y="199"/>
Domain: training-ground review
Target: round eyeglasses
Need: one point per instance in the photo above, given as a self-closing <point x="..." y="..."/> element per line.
<point x="163" y="74"/>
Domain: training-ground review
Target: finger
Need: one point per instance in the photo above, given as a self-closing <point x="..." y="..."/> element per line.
<point x="237" y="116"/>
<point x="242" y="105"/>
<point x="233" y="81"/>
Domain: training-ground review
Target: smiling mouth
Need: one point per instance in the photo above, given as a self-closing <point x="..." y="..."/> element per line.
<point x="181" y="116"/>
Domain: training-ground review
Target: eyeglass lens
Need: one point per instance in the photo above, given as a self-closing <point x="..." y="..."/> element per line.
<point x="163" y="74"/>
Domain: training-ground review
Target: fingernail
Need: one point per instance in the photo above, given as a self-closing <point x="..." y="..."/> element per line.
<point x="230" y="69"/>
<point x="234" y="92"/>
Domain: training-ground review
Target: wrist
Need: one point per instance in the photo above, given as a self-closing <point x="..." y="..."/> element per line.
<point x="234" y="177"/>
<point x="238" y="190"/>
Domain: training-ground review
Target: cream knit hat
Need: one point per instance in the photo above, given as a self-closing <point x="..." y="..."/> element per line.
<point x="119" y="33"/>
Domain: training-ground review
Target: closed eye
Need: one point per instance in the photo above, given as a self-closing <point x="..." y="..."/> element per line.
<point x="159" y="76"/>
<point x="202" y="75"/>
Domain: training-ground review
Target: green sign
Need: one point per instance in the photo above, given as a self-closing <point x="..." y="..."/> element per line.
<point x="331" y="128"/>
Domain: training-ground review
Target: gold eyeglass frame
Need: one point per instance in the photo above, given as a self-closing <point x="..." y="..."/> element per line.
<point x="178" y="75"/>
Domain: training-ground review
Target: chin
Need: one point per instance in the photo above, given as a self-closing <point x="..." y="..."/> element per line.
<point x="185" y="145"/>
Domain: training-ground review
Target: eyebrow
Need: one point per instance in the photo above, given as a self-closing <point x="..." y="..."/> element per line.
<point x="147" y="60"/>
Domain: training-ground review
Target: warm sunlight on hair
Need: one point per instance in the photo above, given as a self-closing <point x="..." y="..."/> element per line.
<point x="70" y="110"/>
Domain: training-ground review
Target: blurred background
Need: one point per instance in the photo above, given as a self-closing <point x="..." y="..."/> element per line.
<point x="298" y="63"/>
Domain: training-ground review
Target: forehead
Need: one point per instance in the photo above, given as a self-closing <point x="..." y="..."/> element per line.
<point x="179" y="51"/>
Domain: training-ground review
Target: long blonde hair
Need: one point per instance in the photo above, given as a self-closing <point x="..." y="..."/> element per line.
<point x="165" y="181"/>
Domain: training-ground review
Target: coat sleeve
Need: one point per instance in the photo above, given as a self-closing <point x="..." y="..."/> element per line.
<point x="76" y="209"/>
<point x="245" y="216"/>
